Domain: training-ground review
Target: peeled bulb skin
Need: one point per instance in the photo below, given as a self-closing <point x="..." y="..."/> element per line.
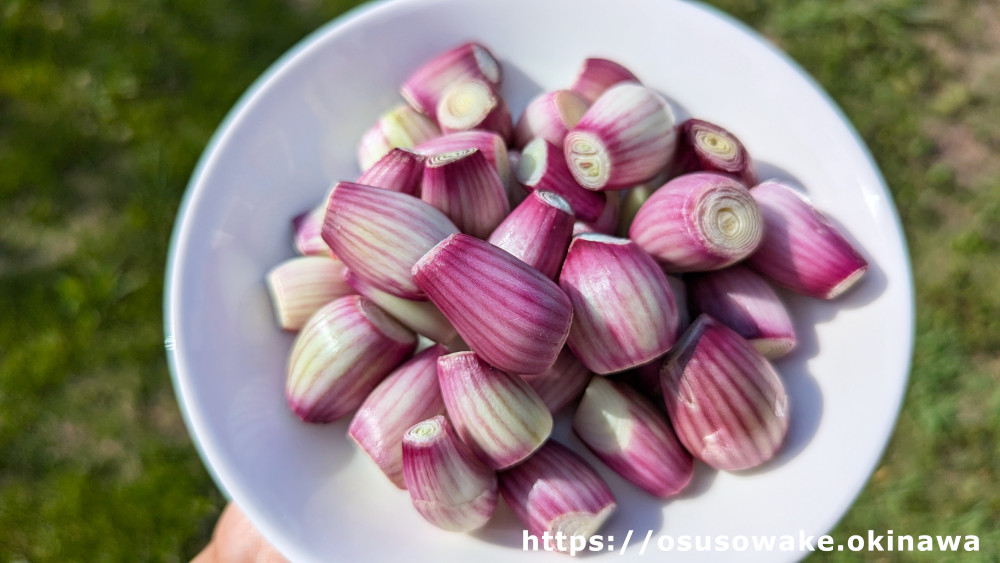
<point x="624" y="310"/>
<point x="550" y="116"/>
<point x="597" y="75"/>
<point x="509" y="313"/>
<point x="407" y="396"/>
<point x="340" y="355"/>
<point x="802" y="250"/>
<point x="448" y="485"/>
<point x="399" y="171"/>
<point x="542" y="166"/>
<point x="426" y="85"/>
<point x="562" y="383"/>
<point x="626" y="137"/>
<point x="474" y="104"/>
<point x="401" y="127"/>
<point x="537" y="232"/>
<point x="556" y="492"/>
<point x="464" y="186"/>
<point x="300" y="286"/>
<point x="632" y="437"/>
<point x="489" y="143"/>
<point x="308" y="228"/>
<point x="380" y="234"/>
<point x="497" y="414"/>
<point x="744" y="301"/>
<point x="726" y="402"/>
<point x="699" y="221"/>
<point x="706" y="146"/>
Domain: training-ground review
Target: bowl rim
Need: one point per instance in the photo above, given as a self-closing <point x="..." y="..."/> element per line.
<point x="358" y="16"/>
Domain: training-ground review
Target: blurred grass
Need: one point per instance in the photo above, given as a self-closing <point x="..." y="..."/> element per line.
<point x="106" y="106"/>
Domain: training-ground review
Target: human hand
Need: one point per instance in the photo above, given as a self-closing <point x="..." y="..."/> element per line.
<point x="236" y="540"/>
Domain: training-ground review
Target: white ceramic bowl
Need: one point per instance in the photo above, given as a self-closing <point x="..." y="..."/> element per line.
<point x="295" y="131"/>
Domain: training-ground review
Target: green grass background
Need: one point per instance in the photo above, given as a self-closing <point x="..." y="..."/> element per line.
<point x="105" y="107"/>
